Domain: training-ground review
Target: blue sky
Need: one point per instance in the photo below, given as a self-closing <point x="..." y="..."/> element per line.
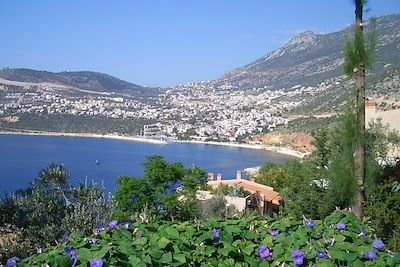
<point x="161" y="42"/>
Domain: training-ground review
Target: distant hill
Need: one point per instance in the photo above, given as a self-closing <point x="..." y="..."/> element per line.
<point x="310" y="58"/>
<point x="86" y="80"/>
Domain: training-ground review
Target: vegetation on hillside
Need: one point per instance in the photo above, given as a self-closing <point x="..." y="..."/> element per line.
<point x="75" y="124"/>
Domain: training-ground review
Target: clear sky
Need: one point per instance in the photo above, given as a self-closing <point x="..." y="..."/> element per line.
<point x="161" y="42"/>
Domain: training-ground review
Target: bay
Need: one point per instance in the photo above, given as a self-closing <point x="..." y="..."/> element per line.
<point x="22" y="158"/>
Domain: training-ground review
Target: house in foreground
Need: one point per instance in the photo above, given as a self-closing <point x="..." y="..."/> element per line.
<point x="262" y="197"/>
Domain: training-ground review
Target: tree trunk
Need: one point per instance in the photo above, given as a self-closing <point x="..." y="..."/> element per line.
<point x="359" y="148"/>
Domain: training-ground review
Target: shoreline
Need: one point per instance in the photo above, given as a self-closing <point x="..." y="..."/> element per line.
<point x="280" y="150"/>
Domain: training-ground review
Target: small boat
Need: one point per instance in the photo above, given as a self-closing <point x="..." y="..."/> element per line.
<point x="97" y="161"/>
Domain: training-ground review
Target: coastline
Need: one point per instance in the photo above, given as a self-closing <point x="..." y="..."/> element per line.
<point x="280" y="150"/>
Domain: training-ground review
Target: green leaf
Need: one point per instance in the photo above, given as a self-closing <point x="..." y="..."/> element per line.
<point x="248" y="250"/>
<point x="180" y="257"/>
<point x="62" y="261"/>
<point x="267" y="241"/>
<point x="101" y="253"/>
<point x="156" y="253"/>
<point x="84" y="254"/>
<point x="146" y="259"/>
<point x="227" y="263"/>
<point x="172" y="232"/>
<point x="337" y="254"/>
<point x="166" y="258"/>
<point x="135" y="261"/>
<point x="163" y="242"/>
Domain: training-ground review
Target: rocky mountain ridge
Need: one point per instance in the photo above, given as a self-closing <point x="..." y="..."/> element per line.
<point x="309" y="58"/>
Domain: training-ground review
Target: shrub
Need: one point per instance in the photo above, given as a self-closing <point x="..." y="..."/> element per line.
<point x="233" y="242"/>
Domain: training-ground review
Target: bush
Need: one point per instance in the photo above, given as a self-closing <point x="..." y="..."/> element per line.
<point x="48" y="208"/>
<point x="338" y="240"/>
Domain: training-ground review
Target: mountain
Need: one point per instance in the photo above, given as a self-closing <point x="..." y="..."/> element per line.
<point x="310" y="58"/>
<point x="84" y="80"/>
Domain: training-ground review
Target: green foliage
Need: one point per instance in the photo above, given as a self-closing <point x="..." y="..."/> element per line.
<point x="193" y="244"/>
<point x="273" y="176"/>
<point x="157" y="190"/>
<point x="323" y="147"/>
<point x="214" y="208"/>
<point x="383" y="207"/>
<point x="360" y="50"/>
<point x="49" y="207"/>
<point x="76" y="124"/>
<point x="342" y="182"/>
<point x="232" y="191"/>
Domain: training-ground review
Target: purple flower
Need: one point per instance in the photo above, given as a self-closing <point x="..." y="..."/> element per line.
<point x="297" y="257"/>
<point x="97" y="262"/>
<point x="65" y="237"/>
<point x="100" y="228"/>
<point x="92" y="241"/>
<point x="126" y="225"/>
<point x="263" y="252"/>
<point x="215" y="233"/>
<point x="113" y="224"/>
<point x="12" y="261"/>
<point x="274" y="232"/>
<point x="309" y="224"/>
<point x="369" y="255"/>
<point x="362" y="233"/>
<point x="69" y="251"/>
<point x="340" y="226"/>
<point x="321" y="255"/>
<point x="378" y="244"/>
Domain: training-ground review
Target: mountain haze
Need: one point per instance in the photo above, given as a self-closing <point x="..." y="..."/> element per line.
<point x="85" y="80"/>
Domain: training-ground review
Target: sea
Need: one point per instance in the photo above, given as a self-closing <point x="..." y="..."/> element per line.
<point x="101" y="160"/>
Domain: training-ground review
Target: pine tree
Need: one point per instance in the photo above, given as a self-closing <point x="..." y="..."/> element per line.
<point x="359" y="55"/>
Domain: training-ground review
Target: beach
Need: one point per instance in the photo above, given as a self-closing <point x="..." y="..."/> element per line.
<point x="281" y="150"/>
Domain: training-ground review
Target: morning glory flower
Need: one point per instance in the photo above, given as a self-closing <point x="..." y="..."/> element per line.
<point x="64" y="238"/>
<point x="100" y="228"/>
<point x="362" y="233"/>
<point x="309" y="224"/>
<point x="340" y="226"/>
<point x="263" y="252"/>
<point x="378" y="244"/>
<point x="126" y="225"/>
<point x="274" y="232"/>
<point x="369" y="255"/>
<point x="321" y="255"/>
<point x="69" y="251"/>
<point x="113" y="224"/>
<point x="215" y="233"/>
<point x="12" y="261"/>
<point x="97" y="262"/>
<point x="297" y="257"/>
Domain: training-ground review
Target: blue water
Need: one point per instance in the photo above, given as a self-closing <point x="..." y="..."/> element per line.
<point x="22" y="157"/>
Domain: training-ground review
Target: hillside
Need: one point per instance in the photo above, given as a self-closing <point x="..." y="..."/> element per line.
<point x="310" y="58"/>
<point x="85" y="80"/>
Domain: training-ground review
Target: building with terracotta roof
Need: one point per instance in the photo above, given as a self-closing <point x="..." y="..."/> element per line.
<point x="262" y="197"/>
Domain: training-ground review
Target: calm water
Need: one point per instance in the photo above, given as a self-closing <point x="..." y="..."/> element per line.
<point x="22" y="157"/>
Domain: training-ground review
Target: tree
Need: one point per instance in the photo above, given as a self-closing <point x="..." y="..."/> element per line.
<point x="157" y="190"/>
<point x="48" y="208"/>
<point x="359" y="55"/>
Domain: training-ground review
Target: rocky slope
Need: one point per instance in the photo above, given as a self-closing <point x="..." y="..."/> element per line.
<point x="310" y="58"/>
